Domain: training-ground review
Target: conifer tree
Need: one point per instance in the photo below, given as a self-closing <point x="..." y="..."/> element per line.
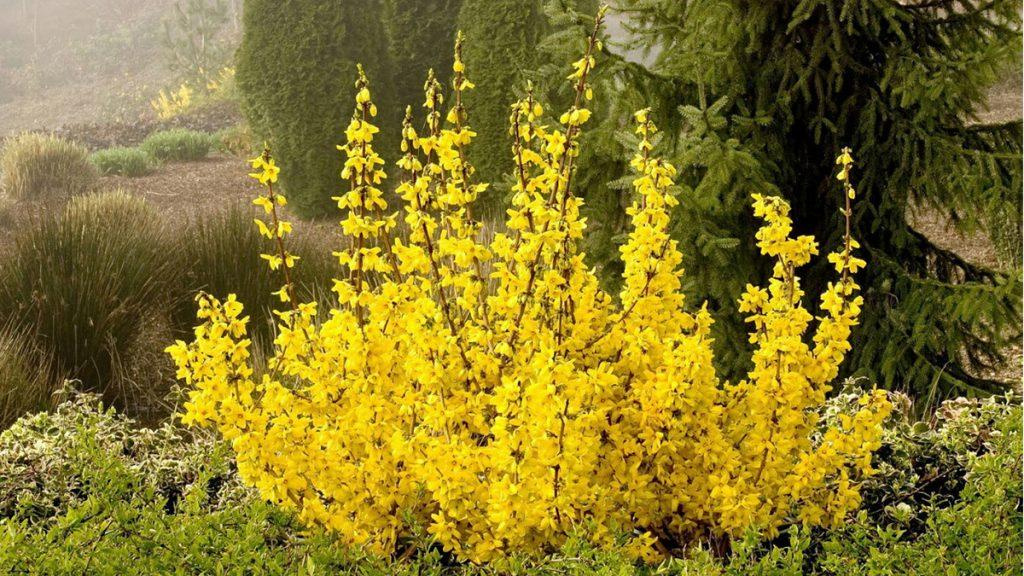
<point x="194" y="38"/>
<point x="295" y="66"/>
<point x="754" y="94"/>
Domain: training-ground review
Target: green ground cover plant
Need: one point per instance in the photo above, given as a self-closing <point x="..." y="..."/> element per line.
<point x="177" y="145"/>
<point x="121" y="161"/>
<point x="88" y="489"/>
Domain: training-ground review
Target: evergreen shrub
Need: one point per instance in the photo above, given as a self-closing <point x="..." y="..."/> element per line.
<point x="755" y="96"/>
<point x="502" y="38"/>
<point x="295" y="61"/>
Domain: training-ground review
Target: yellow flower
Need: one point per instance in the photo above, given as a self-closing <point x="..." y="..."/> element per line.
<point x="488" y="388"/>
<point x="266" y="170"/>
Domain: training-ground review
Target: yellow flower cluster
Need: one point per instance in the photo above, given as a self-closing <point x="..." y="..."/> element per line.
<point x="494" y="393"/>
<point x="265" y="172"/>
<point x="171" y="103"/>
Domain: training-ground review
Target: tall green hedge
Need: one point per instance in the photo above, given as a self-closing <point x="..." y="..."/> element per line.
<point x="295" y="70"/>
<point x="421" y="36"/>
<point x="297" y="62"/>
<point x="501" y="40"/>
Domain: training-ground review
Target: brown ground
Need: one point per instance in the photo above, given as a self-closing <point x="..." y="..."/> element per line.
<point x="182" y="192"/>
<point x="975" y="248"/>
<point x="1004" y="101"/>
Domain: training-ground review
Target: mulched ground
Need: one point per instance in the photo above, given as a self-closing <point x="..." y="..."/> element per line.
<point x="183" y="192"/>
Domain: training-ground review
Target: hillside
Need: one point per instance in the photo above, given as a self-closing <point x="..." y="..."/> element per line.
<point x="80" y="61"/>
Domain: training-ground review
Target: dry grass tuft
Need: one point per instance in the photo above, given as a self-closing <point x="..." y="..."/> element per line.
<point x="44" y="167"/>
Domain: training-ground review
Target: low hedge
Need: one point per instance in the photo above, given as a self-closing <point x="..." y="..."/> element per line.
<point x="177" y="145"/>
<point x="129" y="162"/>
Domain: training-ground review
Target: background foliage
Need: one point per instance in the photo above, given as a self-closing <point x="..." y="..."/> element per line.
<point x="754" y="95"/>
<point x="219" y="254"/>
<point x="296" y="59"/>
<point x="292" y="82"/>
<point x="196" y="38"/>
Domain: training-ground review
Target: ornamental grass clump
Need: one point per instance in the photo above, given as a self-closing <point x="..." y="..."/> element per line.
<point x="26" y="380"/>
<point x="177" y="145"/>
<point x="495" y="394"/>
<point x="44" y="167"/>
<point x="220" y="253"/>
<point x="83" y="286"/>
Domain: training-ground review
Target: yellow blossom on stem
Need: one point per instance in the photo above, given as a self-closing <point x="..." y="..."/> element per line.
<point x="265" y="172"/>
<point x="493" y="392"/>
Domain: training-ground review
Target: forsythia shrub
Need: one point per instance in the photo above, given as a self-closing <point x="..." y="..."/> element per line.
<point x="496" y="394"/>
<point x="171" y="103"/>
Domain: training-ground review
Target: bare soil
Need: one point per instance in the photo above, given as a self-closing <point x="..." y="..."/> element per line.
<point x="1004" y="100"/>
<point x="975" y="248"/>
